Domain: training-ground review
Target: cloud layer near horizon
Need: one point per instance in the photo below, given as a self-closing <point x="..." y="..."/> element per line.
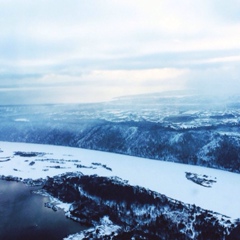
<point x="88" y="50"/>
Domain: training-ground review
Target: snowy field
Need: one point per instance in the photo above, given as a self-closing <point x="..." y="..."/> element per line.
<point x="39" y="161"/>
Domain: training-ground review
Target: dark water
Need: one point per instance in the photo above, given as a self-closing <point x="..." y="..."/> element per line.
<point x="23" y="215"/>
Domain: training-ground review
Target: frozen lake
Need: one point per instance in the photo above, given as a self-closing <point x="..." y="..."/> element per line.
<point x="164" y="177"/>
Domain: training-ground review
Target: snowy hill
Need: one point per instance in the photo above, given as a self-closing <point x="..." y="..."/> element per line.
<point x="184" y="128"/>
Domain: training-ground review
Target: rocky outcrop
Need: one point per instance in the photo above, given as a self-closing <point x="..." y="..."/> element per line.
<point x="203" y="180"/>
<point x="28" y="181"/>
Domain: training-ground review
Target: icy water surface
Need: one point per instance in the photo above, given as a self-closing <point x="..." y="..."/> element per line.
<point x="23" y="215"/>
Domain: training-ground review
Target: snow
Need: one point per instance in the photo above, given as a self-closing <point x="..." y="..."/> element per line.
<point x="21" y="120"/>
<point x="106" y="228"/>
<point x="163" y="177"/>
<point x="233" y="134"/>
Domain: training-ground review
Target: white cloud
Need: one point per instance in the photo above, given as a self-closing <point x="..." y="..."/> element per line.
<point x="140" y="76"/>
<point x="134" y="81"/>
<point x="101" y="85"/>
<point x="90" y="28"/>
<point x="99" y="46"/>
<point x="224" y="59"/>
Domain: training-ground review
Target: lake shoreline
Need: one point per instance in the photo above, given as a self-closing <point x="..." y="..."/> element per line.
<point x="25" y="216"/>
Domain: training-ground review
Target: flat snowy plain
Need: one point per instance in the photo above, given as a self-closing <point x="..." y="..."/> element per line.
<point x="163" y="177"/>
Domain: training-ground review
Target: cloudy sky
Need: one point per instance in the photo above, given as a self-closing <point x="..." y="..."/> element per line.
<point x="95" y="50"/>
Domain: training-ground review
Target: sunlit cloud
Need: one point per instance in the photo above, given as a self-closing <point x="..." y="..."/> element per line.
<point x="112" y="48"/>
<point x="224" y="59"/>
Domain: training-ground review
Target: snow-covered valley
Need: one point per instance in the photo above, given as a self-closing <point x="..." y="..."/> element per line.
<point x="41" y="161"/>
